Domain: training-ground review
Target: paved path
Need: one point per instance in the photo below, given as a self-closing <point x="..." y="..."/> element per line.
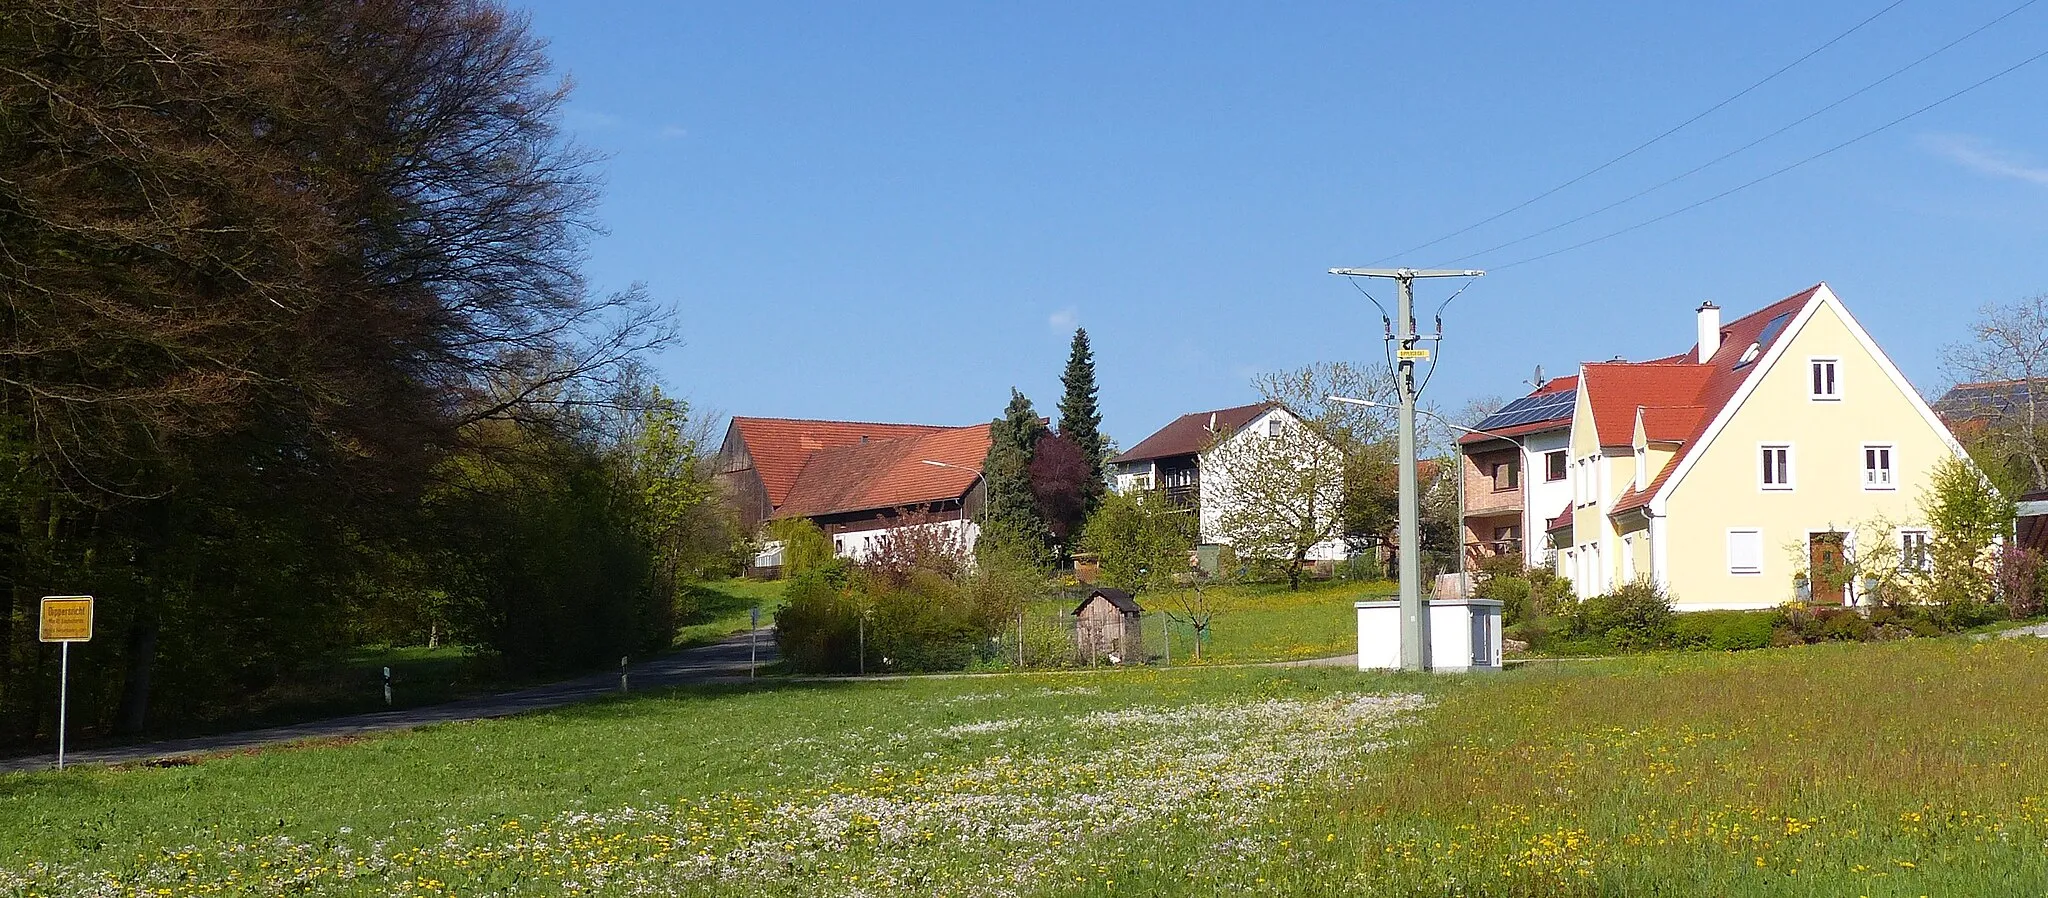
<point x="723" y="661"/>
<point x="2035" y="630"/>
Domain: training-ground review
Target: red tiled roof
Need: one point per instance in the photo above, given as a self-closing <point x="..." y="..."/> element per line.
<point x="1724" y="376"/>
<point x="1189" y="434"/>
<point x="888" y="473"/>
<point x="1563" y="519"/>
<point x="1557" y="385"/>
<point x="1671" y="423"/>
<point x="781" y="446"/>
<point x="1617" y="389"/>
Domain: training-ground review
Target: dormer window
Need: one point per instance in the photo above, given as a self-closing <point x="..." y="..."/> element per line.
<point x="1824" y="385"/>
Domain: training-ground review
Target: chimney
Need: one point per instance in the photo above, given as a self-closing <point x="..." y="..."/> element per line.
<point x="1710" y="331"/>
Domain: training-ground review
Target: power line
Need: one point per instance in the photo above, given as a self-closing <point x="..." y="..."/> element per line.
<point x="1647" y="143"/>
<point x="1745" y="147"/>
<point x="1762" y="178"/>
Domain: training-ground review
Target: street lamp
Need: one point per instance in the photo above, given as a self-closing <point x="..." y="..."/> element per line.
<point x="976" y="472"/>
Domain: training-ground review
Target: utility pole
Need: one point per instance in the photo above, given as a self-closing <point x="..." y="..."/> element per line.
<point x="1414" y="614"/>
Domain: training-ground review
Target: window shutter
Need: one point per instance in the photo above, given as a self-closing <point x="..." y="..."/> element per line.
<point x="1745" y="551"/>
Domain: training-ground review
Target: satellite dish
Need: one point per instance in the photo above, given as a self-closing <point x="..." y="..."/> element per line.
<point x="1537" y="380"/>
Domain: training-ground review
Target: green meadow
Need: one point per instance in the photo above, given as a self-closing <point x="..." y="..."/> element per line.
<point x="1893" y="769"/>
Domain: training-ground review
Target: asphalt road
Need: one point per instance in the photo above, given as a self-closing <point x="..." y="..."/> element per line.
<point x="723" y="661"/>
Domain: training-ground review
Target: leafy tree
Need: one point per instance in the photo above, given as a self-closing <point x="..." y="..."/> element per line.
<point x="1013" y="520"/>
<point x="1081" y="418"/>
<point x="1062" y="481"/>
<point x="1280" y="494"/>
<point x="1966" y="516"/>
<point x="1139" y="540"/>
<point x="1363" y="436"/>
<point x="545" y="566"/>
<point x="273" y="275"/>
<point x="804" y="546"/>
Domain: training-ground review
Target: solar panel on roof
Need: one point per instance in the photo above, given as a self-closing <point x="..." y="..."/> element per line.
<point x="1772" y="327"/>
<point x="1531" y="409"/>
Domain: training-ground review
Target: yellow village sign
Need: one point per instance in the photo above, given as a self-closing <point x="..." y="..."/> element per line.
<point x="66" y="619"/>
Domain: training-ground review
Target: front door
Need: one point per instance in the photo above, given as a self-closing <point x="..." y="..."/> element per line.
<point x="1828" y="568"/>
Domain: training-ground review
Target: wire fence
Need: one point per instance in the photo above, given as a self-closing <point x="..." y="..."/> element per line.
<point x="1058" y="639"/>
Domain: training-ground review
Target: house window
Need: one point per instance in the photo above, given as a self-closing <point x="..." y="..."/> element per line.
<point x="1554" y="464"/>
<point x="1776" y="471"/>
<point x="1913" y="551"/>
<point x="1507" y="475"/>
<point x="1273" y="427"/>
<point x="1877" y="468"/>
<point x="1825" y="387"/>
<point x="1745" y="551"/>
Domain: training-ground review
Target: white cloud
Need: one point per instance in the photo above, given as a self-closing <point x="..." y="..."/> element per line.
<point x="589" y="119"/>
<point x="1064" y="320"/>
<point x="1979" y="155"/>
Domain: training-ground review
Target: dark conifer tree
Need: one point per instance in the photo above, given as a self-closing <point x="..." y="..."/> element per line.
<point x="1081" y="417"/>
<point x="1013" y="517"/>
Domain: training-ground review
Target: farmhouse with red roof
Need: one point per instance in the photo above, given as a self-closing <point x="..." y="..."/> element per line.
<point x="855" y="479"/>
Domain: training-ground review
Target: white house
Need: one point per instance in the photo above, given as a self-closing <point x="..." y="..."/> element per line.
<point x="1214" y="464"/>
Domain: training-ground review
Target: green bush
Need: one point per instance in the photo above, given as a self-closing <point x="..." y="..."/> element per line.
<point x="1548" y="593"/>
<point x="929" y="623"/>
<point x="917" y="620"/>
<point x="1511" y="592"/>
<point x="1502" y="579"/>
<point x="1725" y="631"/>
<point x="1634" y="616"/>
<point x="817" y="626"/>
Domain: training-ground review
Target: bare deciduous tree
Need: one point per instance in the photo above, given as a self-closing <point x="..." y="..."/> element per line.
<point x="2009" y="342"/>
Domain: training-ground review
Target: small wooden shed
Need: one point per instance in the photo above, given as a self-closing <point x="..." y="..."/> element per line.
<point x="1108" y="627"/>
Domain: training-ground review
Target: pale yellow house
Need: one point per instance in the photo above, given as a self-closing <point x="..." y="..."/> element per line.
<point x="1783" y="438"/>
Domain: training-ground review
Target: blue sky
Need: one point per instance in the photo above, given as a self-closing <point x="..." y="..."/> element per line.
<point x="898" y="211"/>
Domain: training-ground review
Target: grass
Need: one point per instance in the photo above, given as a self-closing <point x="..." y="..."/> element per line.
<point x="961" y="786"/>
<point x="1260" y="621"/>
<point x="1893" y="769"/>
<point x="1267" y="622"/>
<point x="725" y="607"/>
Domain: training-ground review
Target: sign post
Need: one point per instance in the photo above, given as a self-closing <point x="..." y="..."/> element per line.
<point x="65" y="620"/>
<point x="753" y="640"/>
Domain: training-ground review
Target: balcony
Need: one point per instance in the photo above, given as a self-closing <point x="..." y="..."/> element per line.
<point x="1182" y="495"/>
<point x="1492" y="548"/>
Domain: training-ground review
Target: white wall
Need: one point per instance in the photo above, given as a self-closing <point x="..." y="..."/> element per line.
<point x="1542" y="501"/>
<point x="857" y="544"/>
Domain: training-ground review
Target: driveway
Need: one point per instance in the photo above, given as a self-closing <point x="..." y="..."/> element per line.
<point x="722" y="661"/>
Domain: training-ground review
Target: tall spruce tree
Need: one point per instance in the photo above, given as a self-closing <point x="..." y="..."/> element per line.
<point x="1014" y="523"/>
<point x="1081" y="417"/>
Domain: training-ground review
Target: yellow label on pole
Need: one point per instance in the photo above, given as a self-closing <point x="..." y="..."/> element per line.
<point x="1407" y="355"/>
<point x="67" y="619"/>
